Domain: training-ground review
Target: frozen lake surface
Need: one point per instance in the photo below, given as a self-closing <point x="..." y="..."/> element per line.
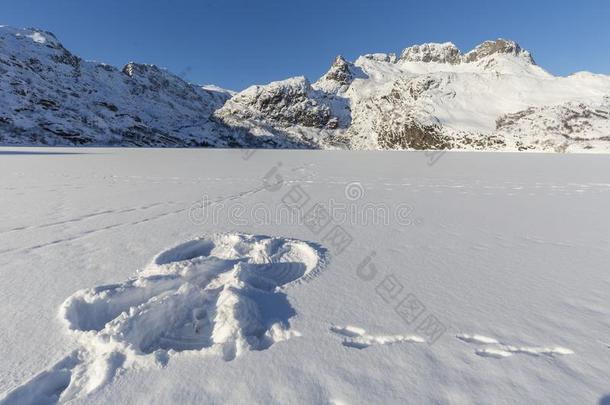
<point x="226" y="276"/>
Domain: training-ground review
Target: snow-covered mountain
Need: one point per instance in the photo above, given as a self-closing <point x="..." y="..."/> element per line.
<point x="48" y="96"/>
<point x="432" y="96"/>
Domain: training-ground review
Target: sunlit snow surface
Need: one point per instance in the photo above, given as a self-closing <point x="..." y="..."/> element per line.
<point x="118" y="286"/>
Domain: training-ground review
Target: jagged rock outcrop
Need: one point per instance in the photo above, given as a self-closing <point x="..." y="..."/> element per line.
<point x="381" y="57"/>
<point x="287" y="102"/>
<point x="448" y="53"/>
<point x="411" y="134"/>
<point x="339" y="77"/>
<point x="499" y="46"/>
<point x="290" y="109"/>
<point x="557" y="126"/>
<point x="340" y="72"/>
<point x="438" y="53"/>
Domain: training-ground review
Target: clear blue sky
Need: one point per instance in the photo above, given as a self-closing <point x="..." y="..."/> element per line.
<point x="235" y="43"/>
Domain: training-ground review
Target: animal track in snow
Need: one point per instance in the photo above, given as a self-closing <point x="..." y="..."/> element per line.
<point x="219" y="295"/>
<point x="477" y="339"/>
<point x="358" y="338"/>
<point x="500" y="350"/>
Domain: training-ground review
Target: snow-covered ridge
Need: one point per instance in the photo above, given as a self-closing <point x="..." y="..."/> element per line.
<point x="448" y="53"/>
<point x="50" y="96"/>
<point x="433" y="96"/>
<point x="287" y="102"/>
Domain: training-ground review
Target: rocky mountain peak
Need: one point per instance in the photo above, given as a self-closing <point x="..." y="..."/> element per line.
<point x="432" y="52"/>
<point x="448" y="53"/>
<point x="499" y="46"/>
<point x="287" y="102"/>
<point x="339" y="77"/>
<point x="340" y="71"/>
<point x="34" y="46"/>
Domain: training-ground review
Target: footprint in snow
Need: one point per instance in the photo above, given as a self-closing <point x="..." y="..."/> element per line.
<point x="220" y="295"/>
<point x="500" y="350"/>
<point x="357" y="338"/>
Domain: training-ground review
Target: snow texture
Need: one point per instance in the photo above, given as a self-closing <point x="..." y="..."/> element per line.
<point x="509" y="251"/>
<point x="221" y="295"/>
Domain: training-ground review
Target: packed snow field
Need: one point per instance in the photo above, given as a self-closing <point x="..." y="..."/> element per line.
<point x="228" y="276"/>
